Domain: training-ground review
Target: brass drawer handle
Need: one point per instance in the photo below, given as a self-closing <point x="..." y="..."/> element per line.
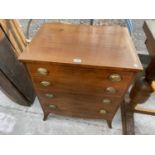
<point x="52" y="106"/>
<point x="42" y="71"/>
<point x="106" y="101"/>
<point x="49" y="95"/>
<point x="111" y="90"/>
<point x="153" y="85"/>
<point x="115" y="78"/>
<point x="45" y="83"/>
<point x="102" y="111"/>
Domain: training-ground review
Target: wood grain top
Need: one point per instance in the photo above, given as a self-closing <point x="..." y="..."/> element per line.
<point x="106" y="46"/>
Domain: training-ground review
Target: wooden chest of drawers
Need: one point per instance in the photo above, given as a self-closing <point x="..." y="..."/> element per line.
<point x="81" y="71"/>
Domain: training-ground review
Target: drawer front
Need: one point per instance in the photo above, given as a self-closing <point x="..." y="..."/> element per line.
<point x="112" y="89"/>
<point x="79" y="113"/>
<point x="82" y="75"/>
<point x="84" y="80"/>
<point x="101" y="106"/>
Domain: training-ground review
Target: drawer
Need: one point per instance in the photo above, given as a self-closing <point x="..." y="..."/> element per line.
<point x="78" y="112"/>
<point x="78" y="87"/>
<point x="78" y="102"/>
<point x="79" y="75"/>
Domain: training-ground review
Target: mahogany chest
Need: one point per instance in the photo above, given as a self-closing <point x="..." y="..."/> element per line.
<point x="81" y="71"/>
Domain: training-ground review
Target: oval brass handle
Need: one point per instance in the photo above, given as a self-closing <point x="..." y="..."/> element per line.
<point x="52" y="106"/>
<point x="153" y="85"/>
<point x="106" y="101"/>
<point x="49" y="95"/>
<point x="42" y="71"/>
<point x="102" y="111"/>
<point x="45" y="83"/>
<point x="115" y="77"/>
<point x="111" y="90"/>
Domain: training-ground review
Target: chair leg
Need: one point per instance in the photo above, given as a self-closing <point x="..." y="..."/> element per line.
<point x="127" y="120"/>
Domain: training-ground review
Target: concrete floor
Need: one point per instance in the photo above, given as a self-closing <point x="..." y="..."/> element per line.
<point x="16" y="119"/>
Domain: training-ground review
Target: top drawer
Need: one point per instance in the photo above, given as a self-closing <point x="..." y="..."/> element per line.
<point x="62" y="71"/>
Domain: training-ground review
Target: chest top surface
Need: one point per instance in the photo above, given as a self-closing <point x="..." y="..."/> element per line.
<point x="100" y="46"/>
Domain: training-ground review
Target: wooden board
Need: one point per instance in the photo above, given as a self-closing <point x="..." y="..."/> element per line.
<point x="108" y="46"/>
<point x="15" y="71"/>
<point x="10" y="90"/>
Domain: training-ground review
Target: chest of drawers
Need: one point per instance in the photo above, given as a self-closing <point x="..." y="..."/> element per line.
<point x="81" y="71"/>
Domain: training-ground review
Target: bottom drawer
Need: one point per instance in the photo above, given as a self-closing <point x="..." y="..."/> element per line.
<point x="79" y="112"/>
